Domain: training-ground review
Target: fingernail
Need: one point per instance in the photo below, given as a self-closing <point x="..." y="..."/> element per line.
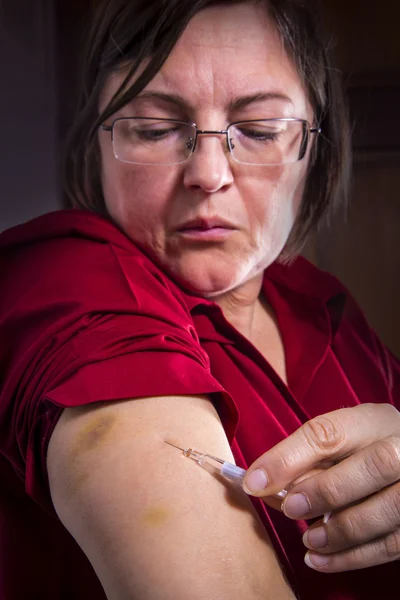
<point x="316" y="561"/>
<point x="316" y="538"/>
<point x="296" y="506"/>
<point x="256" y="480"/>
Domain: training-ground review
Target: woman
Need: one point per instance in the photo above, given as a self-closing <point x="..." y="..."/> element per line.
<point x="210" y="141"/>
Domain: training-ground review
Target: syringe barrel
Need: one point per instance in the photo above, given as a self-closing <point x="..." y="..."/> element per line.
<point x="232" y="472"/>
<point x="237" y="474"/>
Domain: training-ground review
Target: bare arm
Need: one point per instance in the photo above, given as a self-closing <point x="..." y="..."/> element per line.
<point x="153" y="524"/>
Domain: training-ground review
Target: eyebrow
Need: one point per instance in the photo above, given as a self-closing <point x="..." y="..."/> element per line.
<point x="236" y="104"/>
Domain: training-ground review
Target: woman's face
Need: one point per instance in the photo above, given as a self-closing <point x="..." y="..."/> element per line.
<point x="225" y="54"/>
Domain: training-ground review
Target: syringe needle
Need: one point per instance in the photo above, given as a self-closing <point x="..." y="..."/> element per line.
<point x="189" y="453"/>
<point x="183" y="450"/>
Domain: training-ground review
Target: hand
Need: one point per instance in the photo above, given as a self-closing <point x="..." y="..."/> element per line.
<point x="346" y="461"/>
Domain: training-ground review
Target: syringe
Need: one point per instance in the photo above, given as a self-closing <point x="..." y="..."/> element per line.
<point x="225" y="469"/>
<point x="219" y="466"/>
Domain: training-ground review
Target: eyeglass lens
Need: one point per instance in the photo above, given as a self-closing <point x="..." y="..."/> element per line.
<point x="150" y="141"/>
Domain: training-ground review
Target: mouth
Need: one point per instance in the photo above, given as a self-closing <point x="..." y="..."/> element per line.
<point x="206" y="224"/>
<point x="208" y="230"/>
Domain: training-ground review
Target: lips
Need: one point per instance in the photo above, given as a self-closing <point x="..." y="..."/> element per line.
<point x="204" y="224"/>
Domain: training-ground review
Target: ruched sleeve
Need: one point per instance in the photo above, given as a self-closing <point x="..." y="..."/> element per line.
<point x="85" y="317"/>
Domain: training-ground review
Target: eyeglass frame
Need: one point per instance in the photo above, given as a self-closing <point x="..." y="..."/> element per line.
<point x="303" y="147"/>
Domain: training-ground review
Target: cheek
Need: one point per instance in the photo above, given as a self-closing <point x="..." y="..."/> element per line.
<point x="137" y="197"/>
<point x="277" y="194"/>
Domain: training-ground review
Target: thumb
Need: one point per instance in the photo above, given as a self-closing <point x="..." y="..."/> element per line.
<point x="282" y="467"/>
<point x="317" y="442"/>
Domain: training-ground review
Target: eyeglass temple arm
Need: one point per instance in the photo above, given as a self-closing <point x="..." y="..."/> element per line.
<point x="304" y="144"/>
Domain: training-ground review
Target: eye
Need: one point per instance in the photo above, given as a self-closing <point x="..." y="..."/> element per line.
<point x="149" y="134"/>
<point x="259" y="133"/>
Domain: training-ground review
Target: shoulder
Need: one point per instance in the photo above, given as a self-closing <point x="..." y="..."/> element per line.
<point x="303" y="277"/>
<point x="355" y="344"/>
<point x="83" y="258"/>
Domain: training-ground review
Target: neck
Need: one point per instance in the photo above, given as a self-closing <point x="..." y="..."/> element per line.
<point x="242" y="305"/>
<point x="247" y="309"/>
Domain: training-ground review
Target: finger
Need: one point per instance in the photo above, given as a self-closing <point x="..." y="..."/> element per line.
<point x="377" y="552"/>
<point x="360" y="524"/>
<point x="273" y="502"/>
<point x="277" y="502"/>
<point x="355" y="478"/>
<point x="331" y="436"/>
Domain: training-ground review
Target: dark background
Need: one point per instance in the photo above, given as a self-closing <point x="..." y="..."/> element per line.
<point x="40" y="42"/>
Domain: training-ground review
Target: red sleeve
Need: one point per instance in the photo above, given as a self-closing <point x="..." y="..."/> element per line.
<point x="81" y="321"/>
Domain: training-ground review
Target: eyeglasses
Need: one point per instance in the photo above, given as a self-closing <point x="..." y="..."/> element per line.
<point x="150" y="141"/>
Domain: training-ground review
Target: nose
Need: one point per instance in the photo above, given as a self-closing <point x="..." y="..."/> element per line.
<point x="209" y="167"/>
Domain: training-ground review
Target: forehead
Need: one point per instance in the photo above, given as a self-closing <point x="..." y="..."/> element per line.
<point x="224" y="53"/>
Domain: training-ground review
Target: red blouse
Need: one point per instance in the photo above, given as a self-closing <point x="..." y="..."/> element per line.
<point x="85" y="316"/>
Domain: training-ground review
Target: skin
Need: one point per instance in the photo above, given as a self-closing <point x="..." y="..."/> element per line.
<point x="150" y="203"/>
<point x="132" y="503"/>
<point x="346" y="461"/>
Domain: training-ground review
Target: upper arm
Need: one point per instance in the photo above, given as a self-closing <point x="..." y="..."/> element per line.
<point x="152" y="523"/>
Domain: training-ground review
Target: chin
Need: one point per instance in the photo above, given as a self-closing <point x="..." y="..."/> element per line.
<point x="198" y="281"/>
<point x="201" y="288"/>
<point x="211" y="274"/>
<point x="209" y="283"/>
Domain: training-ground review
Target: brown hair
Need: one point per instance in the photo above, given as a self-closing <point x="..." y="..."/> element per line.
<point x="126" y="32"/>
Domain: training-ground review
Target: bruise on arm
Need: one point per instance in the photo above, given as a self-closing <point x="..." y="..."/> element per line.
<point x="100" y="430"/>
<point x="93" y="434"/>
<point x="156" y="516"/>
